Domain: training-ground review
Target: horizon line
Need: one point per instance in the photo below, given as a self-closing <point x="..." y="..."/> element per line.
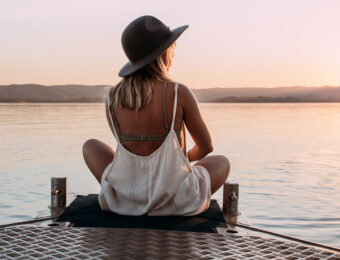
<point x="101" y="85"/>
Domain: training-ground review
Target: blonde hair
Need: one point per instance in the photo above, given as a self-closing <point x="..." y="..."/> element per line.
<point x="135" y="90"/>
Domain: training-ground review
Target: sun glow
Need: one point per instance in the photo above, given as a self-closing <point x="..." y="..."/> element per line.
<point x="228" y="44"/>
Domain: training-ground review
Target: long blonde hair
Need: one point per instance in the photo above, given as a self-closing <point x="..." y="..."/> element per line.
<point x="135" y="90"/>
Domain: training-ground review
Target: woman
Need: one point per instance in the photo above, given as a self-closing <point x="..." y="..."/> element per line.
<point x="150" y="172"/>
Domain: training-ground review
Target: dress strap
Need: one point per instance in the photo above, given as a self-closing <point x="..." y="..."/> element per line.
<point x="111" y="115"/>
<point x="115" y="121"/>
<point x="175" y="107"/>
<point x="164" y="108"/>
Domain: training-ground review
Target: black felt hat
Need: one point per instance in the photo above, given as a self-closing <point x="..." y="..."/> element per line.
<point x="144" y="39"/>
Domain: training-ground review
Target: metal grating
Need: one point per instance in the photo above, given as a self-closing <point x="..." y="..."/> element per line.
<point x="34" y="242"/>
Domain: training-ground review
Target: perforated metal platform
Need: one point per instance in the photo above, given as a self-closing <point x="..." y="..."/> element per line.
<point x="34" y="242"/>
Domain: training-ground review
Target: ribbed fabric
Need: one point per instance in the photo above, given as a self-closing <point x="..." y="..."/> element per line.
<point x="160" y="184"/>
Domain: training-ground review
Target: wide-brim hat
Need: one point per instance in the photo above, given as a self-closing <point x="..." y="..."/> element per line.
<point x="144" y="39"/>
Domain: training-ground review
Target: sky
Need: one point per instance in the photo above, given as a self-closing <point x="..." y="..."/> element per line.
<point x="253" y="43"/>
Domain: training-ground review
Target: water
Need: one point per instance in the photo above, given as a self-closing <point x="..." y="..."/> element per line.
<point x="286" y="158"/>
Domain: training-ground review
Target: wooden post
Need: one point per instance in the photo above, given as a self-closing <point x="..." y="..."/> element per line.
<point x="58" y="192"/>
<point x="230" y="198"/>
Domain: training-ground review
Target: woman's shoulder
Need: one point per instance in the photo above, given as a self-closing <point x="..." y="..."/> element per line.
<point x="184" y="91"/>
<point x="185" y="95"/>
<point x="108" y="92"/>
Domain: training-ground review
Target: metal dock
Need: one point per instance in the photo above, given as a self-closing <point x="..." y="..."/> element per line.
<point x="35" y="242"/>
<point x="46" y="239"/>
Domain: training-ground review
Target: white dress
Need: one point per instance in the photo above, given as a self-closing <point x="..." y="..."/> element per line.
<point x="160" y="184"/>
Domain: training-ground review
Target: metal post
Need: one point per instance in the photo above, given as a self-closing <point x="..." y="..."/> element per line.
<point x="230" y="198"/>
<point x="58" y="192"/>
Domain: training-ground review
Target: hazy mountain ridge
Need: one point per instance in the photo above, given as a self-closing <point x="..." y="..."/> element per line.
<point x="299" y="93"/>
<point x="96" y="93"/>
<point x="57" y="93"/>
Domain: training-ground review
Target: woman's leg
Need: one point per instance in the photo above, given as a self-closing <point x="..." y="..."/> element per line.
<point x="97" y="156"/>
<point x="218" y="167"/>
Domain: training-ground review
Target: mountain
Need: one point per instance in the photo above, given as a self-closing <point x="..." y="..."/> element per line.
<point x="280" y="94"/>
<point x="83" y="93"/>
<point x="59" y="93"/>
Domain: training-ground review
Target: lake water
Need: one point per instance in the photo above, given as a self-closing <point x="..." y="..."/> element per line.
<point x="286" y="158"/>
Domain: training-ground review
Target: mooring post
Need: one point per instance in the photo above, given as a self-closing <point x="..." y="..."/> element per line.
<point x="230" y="205"/>
<point x="230" y="198"/>
<point x="58" y="192"/>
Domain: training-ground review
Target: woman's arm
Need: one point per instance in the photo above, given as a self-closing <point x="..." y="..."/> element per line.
<point x="108" y="114"/>
<point x="195" y="125"/>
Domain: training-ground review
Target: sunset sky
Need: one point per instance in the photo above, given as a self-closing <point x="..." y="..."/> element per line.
<point x="254" y="43"/>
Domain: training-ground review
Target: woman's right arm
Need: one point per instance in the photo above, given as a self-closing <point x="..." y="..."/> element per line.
<point x="195" y="125"/>
<point x="108" y="114"/>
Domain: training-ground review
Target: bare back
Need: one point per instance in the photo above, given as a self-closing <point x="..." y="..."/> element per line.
<point x="150" y="119"/>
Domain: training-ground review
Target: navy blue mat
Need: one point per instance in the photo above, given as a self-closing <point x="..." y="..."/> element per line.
<point x="85" y="211"/>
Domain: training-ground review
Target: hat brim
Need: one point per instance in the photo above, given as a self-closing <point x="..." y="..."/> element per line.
<point x="132" y="67"/>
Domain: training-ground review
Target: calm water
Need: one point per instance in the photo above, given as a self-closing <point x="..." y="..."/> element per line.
<point x="286" y="158"/>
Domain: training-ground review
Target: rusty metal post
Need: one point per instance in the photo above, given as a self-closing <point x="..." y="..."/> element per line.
<point x="230" y="198"/>
<point x="58" y="192"/>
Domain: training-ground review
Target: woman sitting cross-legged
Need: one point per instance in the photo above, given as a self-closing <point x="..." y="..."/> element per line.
<point x="150" y="171"/>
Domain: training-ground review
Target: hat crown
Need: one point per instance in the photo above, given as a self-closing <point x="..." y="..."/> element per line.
<point x="142" y="36"/>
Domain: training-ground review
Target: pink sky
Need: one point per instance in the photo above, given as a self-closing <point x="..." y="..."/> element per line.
<point x="254" y="43"/>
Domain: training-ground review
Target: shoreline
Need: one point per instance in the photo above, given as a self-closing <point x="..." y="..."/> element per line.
<point x="207" y="102"/>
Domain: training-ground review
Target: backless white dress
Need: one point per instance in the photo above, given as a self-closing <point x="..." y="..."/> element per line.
<point x="160" y="184"/>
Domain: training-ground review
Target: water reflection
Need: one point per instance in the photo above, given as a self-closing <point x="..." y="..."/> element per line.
<point x="285" y="157"/>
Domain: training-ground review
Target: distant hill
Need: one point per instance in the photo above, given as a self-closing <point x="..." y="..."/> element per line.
<point x="58" y="93"/>
<point x="280" y="94"/>
<point x="83" y="93"/>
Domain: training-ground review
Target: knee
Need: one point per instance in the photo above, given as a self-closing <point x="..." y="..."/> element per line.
<point x="227" y="162"/>
<point x="89" y="144"/>
<point x="225" y="165"/>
